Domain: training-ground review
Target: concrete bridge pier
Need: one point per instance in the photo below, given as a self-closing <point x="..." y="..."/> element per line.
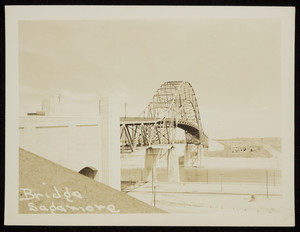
<point x="173" y="166"/>
<point x="150" y="163"/>
<point x="188" y="161"/>
<point x="200" y="153"/>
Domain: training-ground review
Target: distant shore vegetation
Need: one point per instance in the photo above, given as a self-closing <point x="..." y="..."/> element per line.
<point x="242" y="147"/>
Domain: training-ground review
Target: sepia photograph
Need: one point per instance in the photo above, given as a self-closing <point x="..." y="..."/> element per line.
<point x="150" y="116"/>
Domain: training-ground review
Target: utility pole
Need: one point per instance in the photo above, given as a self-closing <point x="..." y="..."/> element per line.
<point x="154" y="195"/>
<point x="152" y="180"/>
<point x="267" y="184"/>
<point x="206" y="176"/>
<point x="222" y="182"/>
<point x="153" y="187"/>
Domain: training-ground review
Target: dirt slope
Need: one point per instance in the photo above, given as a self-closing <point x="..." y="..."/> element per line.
<point x="46" y="187"/>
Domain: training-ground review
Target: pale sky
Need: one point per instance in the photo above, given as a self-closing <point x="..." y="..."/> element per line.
<point x="233" y="66"/>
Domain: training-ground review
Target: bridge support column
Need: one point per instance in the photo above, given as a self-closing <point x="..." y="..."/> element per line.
<point x="173" y="166"/>
<point x="109" y="143"/>
<point x="150" y="164"/>
<point x="200" y="153"/>
<point x="188" y="162"/>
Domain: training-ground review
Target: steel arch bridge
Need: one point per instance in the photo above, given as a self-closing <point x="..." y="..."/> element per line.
<point x="174" y="105"/>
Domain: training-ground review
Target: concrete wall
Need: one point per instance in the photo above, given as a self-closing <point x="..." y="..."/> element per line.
<point x="70" y="142"/>
<point x="77" y="142"/>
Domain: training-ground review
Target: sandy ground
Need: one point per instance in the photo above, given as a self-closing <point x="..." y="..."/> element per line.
<point x="201" y="198"/>
<point x="46" y="187"/>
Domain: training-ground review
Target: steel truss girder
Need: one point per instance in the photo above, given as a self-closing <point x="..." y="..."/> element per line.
<point x="147" y="134"/>
<point x="180" y="99"/>
<point x="173" y="102"/>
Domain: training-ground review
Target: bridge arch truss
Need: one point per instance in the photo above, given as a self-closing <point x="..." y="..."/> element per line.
<point x="174" y="105"/>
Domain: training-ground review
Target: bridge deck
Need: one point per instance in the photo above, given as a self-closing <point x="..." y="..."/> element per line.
<point x="191" y="128"/>
<point x="140" y="120"/>
<point x="137" y="120"/>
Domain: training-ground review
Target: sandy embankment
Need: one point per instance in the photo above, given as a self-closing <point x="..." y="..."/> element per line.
<point x="45" y="187"/>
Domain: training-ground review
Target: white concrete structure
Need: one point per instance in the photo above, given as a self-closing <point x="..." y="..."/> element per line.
<point x="110" y="162"/>
<point x="193" y="155"/>
<point x="173" y="166"/>
<point x="188" y="155"/>
<point x="200" y="154"/>
<point x="77" y="142"/>
<point x="46" y="107"/>
<point x="52" y="105"/>
<point x="150" y="163"/>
